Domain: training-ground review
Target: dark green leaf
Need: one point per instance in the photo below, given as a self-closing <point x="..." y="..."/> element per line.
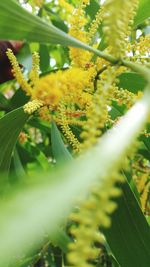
<point x="132" y="81"/>
<point x="129" y="234"/>
<point x="44" y="58"/>
<point x="10" y="127"/>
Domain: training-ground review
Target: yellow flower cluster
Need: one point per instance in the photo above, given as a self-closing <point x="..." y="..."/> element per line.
<point x="93" y="213"/>
<point x="70" y="84"/>
<point x="144" y="196"/>
<point x="78" y="21"/>
<point x="34" y="73"/>
<point x="143" y="46"/>
<point x="18" y="73"/>
<point x="66" y="6"/>
<point x="66" y="129"/>
<point x="118" y="19"/>
<point x="95" y="24"/>
<point x="123" y="96"/>
<point x="51" y="88"/>
<point x="141" y="175"/>
<point x="97" y="113"/>
<point x="32" y="106"/>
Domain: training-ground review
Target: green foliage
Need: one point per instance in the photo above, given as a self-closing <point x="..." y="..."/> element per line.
<point x="10" y="127"/>
<point x="43" y="176"/>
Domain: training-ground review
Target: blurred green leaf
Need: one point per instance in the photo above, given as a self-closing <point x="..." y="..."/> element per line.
<point x="32" y="211"/>
<point x="143" y="12"/>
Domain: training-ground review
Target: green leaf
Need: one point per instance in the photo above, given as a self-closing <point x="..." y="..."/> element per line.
<point x="44" y="58"/>
<point x="143" y="12"/>
<point x="4" y="103"/>
<point x="19" y="99"/>
<point x="132" y="81"/>
<point x="18" y="167"/>
<point x="22" y="25"/>
<point x="10" y="127"/>
<point x="59" y="149"/>
<point x="16" y="23"/>
<point x="129" y="234"/>
<point x="92" y="9"/>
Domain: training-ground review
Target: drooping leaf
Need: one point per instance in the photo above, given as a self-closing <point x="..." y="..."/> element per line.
<point x="10" y="127"/>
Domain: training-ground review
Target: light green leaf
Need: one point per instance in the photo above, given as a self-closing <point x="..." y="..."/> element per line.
<point x="143" y="12"/>
<point x="16" y="23"/>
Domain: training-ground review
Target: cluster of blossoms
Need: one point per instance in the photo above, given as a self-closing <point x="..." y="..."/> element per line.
<point x="118" y="19"/>
<point x="82" y="95"/>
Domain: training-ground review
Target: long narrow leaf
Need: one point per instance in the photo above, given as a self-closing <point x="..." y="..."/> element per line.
<point x="16" y="23"/>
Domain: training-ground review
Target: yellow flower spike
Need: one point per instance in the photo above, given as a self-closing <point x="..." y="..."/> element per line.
<point x="66" y="6"/>
<point x="34" y="73"/>
<point x="143" y="45"/>
<point x="97" y="112"/>
<point x="78" y="21"/>
<point x="95" y="24"/>
<point x="118" y="19"/>
<point x="144" y="196"/>
<point x="18" y="73"/>
<point x="92" y="215"/>
<point x="32" y="106"/>
<point x="142" y="182"/>
<point x="123" y="96"/>
<point x="66" y="129"/>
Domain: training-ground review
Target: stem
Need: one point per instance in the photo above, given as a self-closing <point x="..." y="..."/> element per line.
<point x="99" y="53"/>
<point x="97" y="76"/>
